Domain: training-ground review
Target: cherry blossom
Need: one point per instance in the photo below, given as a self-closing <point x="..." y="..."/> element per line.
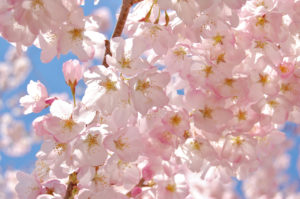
<point x="61" y="123"/>
<point x="35" y="101"/>
<point x="193" y="95"/>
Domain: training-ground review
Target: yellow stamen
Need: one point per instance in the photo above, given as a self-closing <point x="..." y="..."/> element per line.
<point x="283" y="68"/>
<point x="196" y="145"/>
<point x="263" y="79"/>
<point x="206" y="112"/>
<point x="69" y="124"/>
<point x="180" y="52"/>
<point x="91" y="140"/>
<point x="171" y="187"/>
<point x="262" y="3"/>
<point x="272" y="103"/>
<point x="119" y="144"/>
<point x="208" y="70"/>
<point x="142" y="85"/>
<point x="260" y="44"/>
<point x="60" y="148"/>
<point x="238" y="141"/>
<point x="76" y="34"/>
<point x="109" y="85"/>
<point x="285" y="87"/>
<point x="261" y="20"/>
<point x="229" y="82"/>
<point x="175" y="120"/>
<point x="186" y="134"/>
<point x="218" y="39"/>
<point x="154" y="30"/>
<point x="99" y="178"/>
<point x="242" y="115"/>
<point x="220" y="58"/>
<point x="37" y="4"/>
<point x="125" y="62"/>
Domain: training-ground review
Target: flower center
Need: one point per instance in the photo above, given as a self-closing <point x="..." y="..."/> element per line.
<point x="238" y="141"/>
<point x="208" y="70"/>
<point x="37" y="4"/>
<point x="263" y="79"/>
<point x="220" y="58"/>
<point x="180" y="52"/>
<point x="76" y="34"/>
<point x="154" y="30"/>
<point x="142" y="85"/>
<point x="285" y="87"/>
<point x="229" y="82"/>
<point x="261" y="20"/>
<point x="125" y="62"/>
<point x="260" y="44"/>
<point x="120" y="144"/>
<point x="171" y="187"/>
<point x="60" y="148"/>
<point x="206" y="112"/>
<point x="283" y="68"/>
<point x="91" y="140"/>
<point x="99" y="178"/>
<point x="242" y="115"/>
<point x="175" y="120"/>
<point x="196" y="145"/>
<point x="218" y="39"/>
<point x="109" y="85"/>
<point x="69" y="124"/>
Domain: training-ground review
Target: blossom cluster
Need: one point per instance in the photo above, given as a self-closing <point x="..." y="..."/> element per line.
<point x="194" y="95"/>
<point x="56" y="27"/>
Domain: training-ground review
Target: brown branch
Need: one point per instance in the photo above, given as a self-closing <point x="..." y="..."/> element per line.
<point x="126" y="5"/>
<point x="72" y="186"/>
<point x="135" y="1"/>
<point x="69" y="191"/>
<point x="107" y="52"/>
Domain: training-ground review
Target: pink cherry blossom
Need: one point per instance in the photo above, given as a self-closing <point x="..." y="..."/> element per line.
<point x="191" y="95"/>
<point x="90" y="149"/>
<point x="105" y="90"/>
<point x="126" y="143"/>
<point x="127" y="53"/>
<point x="147" y="90"/>
<point x="35" y="101"/>
<point x="61" y="124"/>
<point x="28" y="187"/>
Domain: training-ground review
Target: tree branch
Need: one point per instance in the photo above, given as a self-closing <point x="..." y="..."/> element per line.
<point x="126" y="5"/>
<point x="69" y="191"/>
<point x="72" y="186"/>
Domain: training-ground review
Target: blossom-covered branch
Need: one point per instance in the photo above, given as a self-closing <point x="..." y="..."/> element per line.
<point x="194" y="96"/>
<point x="126" y="5"/>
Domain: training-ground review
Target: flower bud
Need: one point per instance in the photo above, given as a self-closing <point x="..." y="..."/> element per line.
<point x="73" y="72"/>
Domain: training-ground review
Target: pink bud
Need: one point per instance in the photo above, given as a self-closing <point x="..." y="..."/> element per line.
<point x="73" y="71"/>
<point x="50" y="100"/>
<point x="147" y="172"/>
<point x="135" y="191"/>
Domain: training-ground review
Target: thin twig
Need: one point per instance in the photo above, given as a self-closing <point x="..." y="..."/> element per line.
<point x="126" y="5"/>
<point x="69" y="190"/>
<point x="72" y="186"/>
<point x="135" y="1"/>
<point x="107" y="52"/>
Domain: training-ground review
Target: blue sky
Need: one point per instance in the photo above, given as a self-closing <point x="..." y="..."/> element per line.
<point x="51" y="75"/>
